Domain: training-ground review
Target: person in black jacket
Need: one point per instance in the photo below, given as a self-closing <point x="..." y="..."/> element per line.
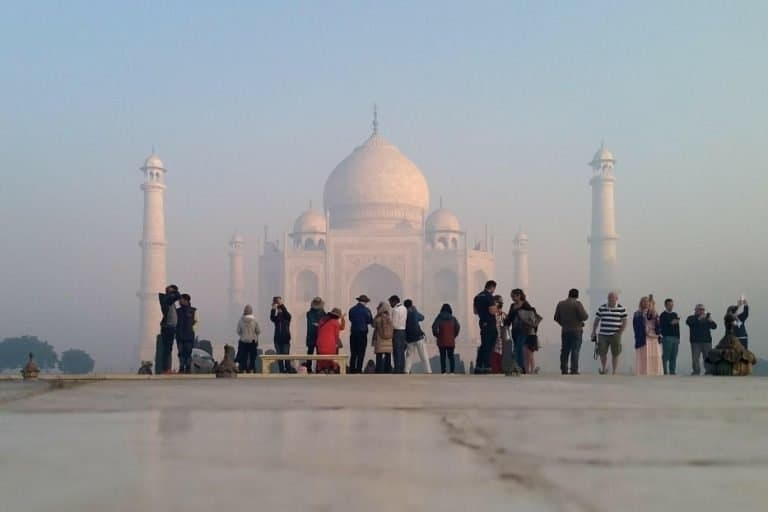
<point x="415" y="338"/>
<point x="280" y="316"/>
<point x="669" y="322"/>
<point x="488" y="331"/>
<point x="740" y="321"/>
<point x="167" y="327"/>
<point x="185" y="332"/>
<point x="701" y="325"/>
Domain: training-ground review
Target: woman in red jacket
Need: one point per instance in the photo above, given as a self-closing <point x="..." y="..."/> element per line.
<point x="328" y="336"/>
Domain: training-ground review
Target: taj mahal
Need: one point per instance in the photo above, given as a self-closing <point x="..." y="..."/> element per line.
<point x="375" y="235"/>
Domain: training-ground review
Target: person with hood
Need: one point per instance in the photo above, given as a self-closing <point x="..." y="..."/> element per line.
<point x="328" y="336"/>
<point x="646" y="325"/>
<point x="414" y="337"/>
<point x="248" y="346"/>
<point x="383" y="332"/>
<point x="360" y="318"/>
<point x="280" y="316"/>
<point x="446" y="329"/>
<point x="314" y="315"/>
<point x="167" y="327"/>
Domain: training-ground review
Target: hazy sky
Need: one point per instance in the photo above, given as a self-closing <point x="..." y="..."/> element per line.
<point x="251" y="106"/>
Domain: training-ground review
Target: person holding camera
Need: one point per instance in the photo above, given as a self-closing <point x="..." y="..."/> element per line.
<point x="701" y="326"/>
<point x="280" y="316"/>
<point x="167" y="327"/>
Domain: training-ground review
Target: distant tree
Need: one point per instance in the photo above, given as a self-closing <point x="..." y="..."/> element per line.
<point x="14" y="352"/>
<point x="76" y="361"/>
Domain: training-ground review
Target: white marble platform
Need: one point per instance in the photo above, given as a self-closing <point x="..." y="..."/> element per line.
<point x="400" y="443"/>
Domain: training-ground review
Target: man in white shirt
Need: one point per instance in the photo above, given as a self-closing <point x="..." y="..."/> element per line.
<point x="399" y="319"/>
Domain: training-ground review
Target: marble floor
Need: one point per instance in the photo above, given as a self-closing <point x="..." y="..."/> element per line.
<point x="354" y="443"/>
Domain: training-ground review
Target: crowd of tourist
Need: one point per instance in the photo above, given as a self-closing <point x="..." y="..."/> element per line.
<point x="508" y="339"/>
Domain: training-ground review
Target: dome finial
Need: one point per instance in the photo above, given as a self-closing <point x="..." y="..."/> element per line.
<point x="375" y="119"/>
<point x="153" y="149"/>
<point x="310" y="204"/>
<point x="441" y="201"/>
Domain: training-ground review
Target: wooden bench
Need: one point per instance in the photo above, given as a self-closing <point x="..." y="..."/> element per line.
<point x="268" y="359"/>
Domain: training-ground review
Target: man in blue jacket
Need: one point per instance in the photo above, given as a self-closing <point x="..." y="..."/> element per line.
<point x="360" y="318"/>
<point x="414" y="336"/>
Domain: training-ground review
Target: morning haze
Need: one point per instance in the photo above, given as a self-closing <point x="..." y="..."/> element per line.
<point x="251" y="107"/>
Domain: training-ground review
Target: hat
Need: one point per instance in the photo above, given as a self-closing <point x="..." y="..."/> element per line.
<point x="363" y="298"/>
<point x="336" y="312"/>
<point x="317" y="302"/>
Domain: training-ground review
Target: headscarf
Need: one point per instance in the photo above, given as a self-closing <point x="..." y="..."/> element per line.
<point x="384" y="307"/>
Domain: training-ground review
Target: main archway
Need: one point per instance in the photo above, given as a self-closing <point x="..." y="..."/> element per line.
<point x="307" y="286"/>
<point x="377" y="282"/>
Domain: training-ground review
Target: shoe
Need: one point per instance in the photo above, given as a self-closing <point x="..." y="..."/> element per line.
<point x="602" y="372"/>
<point x="575" y="373"/>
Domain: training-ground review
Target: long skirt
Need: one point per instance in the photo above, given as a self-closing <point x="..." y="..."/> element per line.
<point x="648" y="358"/>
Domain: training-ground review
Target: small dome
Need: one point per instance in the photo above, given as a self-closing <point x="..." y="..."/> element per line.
<point x="153" y="162"/>
<point x="602" y="155"/>
<point x="521" y="236"/>
<point x="237" y="238"/>
<point x="311" y="221"/>
<point x="442" y="220"/>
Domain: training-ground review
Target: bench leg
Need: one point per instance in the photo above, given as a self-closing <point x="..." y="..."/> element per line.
<point x="265" y="367"/>
<point x="342" y="367"/>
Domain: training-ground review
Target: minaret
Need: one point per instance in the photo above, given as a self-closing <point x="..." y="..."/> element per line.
<point x="520" y="252"/>
<point x="152" y="245"/>
<point x="236" y="277"/>
<point x="603" y="238"/>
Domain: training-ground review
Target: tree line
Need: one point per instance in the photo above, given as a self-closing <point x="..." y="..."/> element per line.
<point x="14" y="353"/>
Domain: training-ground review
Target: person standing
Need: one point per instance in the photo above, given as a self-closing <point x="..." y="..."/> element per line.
<point x="740" y="321"/>
<point x="167" y="327"/>
<point x="314" y="315"/>
<point x="248" y="347"/>
<point x="524" y="321"/>
<point x="414" y="337"/>
<point x="280" y="316"/>
<point x="446" y="329"/>
<point x="502" y="335"/>
<point x="611" y="317"/>
<point x="669" y="323"/>
<point x="570" y="315"/>
<point x="645" y="324"/>
<point x="383" y="332"/>
<point x="186" y="321"/>
<point x="482" y="307"/>
<point x="399" y="320"/>
<point x="701" y="326"/>
<point x="360" y="318"/>
<point x="328" y="336"/>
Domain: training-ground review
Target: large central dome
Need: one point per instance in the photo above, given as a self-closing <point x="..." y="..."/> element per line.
<point x="376" y="186"/>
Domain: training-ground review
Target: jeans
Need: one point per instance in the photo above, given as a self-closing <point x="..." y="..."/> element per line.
<point x="357" y="345"/>
<point x="384" y="363"/>
<point x="508" y="363"/>
<point x="246" y="355"/>
<point x="311" y="349"/>
<point x="417" y="348"/>
<point x="569" y="349"/>
<point x="699" y="351"/>
<point x="164" y="362"/>
<point x="669" y="348"/>
<point x="447" y="352"/>
<point x="519" y="341"/>
<point x="488" y="335"/>
<point x="398" y="350"/>
<point x="283" y="348"/>
<point x="185" y="355"/>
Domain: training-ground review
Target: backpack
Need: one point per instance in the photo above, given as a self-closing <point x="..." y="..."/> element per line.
<point x="387" y="329"/>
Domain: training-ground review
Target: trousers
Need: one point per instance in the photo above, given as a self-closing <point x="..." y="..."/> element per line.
<point x="417" y="348"/>
<point x="569" y="351"/>
<point x="358" y="342"/>
<point x="283" y="348"/>
<point x="384" y="363"/>
<point x="669" y="348"/>
<point x="447" y="353"/>
<point x="185" y="355"/>
<point x="488" y="335"/>
<point x="698" y="352"/>
<point x="165" y="361"/>
<point x="398" y="350"/>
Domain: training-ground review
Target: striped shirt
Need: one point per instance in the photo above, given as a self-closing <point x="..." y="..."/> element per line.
<point x="611" y="318"/>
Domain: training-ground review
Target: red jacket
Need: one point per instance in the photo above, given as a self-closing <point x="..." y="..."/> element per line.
<point x="328" y="334"/>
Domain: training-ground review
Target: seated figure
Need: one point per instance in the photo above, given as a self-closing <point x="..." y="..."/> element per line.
<point x="729" y="357"/>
